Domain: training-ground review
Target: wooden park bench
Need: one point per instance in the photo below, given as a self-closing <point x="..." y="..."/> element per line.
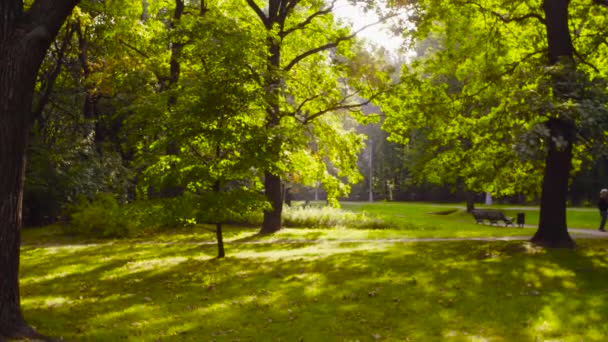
<point x="493" y="216"/>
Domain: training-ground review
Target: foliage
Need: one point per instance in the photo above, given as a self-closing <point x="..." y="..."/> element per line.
<point x="101" y="217"/>
<point x="473" y="105"/>
<point x="60" y="170"/>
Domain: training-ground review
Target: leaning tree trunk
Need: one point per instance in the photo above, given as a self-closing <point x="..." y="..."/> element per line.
<point x="24" y="40"/>
<point x="552" y="228"/>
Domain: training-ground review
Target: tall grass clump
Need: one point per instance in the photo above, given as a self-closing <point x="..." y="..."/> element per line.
<point x="328" y="217"/>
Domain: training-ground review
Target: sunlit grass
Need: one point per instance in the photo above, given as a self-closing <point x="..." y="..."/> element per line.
<point x="330" y="290"/>
<point x="586" y="218"/>
<point x="316" y="284"/>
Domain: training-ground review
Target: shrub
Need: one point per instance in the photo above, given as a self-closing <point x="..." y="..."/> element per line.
<point x="101" y="217"/>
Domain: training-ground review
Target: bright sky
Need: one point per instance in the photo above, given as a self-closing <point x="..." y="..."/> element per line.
<point x="378" y="34"/>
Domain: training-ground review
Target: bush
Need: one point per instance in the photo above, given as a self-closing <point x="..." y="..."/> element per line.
<point x="328" y="217"/>
<point x="102" y="217"/>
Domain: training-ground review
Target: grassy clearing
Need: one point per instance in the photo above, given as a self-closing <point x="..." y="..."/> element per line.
<point x="335" y="291"/>
<point x="585" y="218"/>
<point x="313" y="284"/>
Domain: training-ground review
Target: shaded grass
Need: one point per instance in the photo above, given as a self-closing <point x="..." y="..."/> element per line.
<point x="333" y="290"/>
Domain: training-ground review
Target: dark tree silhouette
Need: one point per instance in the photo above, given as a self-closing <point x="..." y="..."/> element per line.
<point x="25" y="36"/>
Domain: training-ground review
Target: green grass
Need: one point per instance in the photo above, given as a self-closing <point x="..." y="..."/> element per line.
<point x="312" y="284"/>
<point x="585" y="218"/>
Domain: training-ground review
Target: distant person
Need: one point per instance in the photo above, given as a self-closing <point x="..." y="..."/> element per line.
<point x="602" y="205"/>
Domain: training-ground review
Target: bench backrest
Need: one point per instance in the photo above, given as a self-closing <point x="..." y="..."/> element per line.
<point x="488" y="214"/>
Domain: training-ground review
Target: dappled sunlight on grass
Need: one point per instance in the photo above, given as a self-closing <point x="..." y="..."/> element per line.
<point x="144" y="265"/>
<point x="269" y="289"/>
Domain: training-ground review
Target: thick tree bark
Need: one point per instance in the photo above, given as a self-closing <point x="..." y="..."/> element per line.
<point x="24" y="39"/>
<point x="272" y="217"/>
<point x="272" y="182"/>
<point x="552" y="228"/>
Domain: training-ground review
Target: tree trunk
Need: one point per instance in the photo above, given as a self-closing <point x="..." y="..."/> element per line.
<point x="272" y="218"/>
<point x="24" y="40"/>
<point x="174" y="190"/>
<point x="13" y="132"/>
<point x="552" y="228"/>
<point x="470" y="197"/>
<point x="272" y="182"/>
<point x="220" y="241"/>
<point x="217" y="188"/>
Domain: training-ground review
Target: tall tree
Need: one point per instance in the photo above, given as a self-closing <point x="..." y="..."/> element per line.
<point x="293" y="40"/>
<point x="517" y="111"/>
<point x="25" y="35"/>
<point x="552" y="228"/>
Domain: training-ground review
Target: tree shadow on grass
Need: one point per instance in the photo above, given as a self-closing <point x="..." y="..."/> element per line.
<point x="338" y="291"/>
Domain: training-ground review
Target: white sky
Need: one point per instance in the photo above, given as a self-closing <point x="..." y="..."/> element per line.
<point x="378" y="34"/>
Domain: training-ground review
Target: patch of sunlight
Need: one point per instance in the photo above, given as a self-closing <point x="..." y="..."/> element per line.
<point x="65" y="249"/>
<point x="314" y="290"/>
<point x="49" y="302"/>
<point x="220" y="307"/>
<point x="530" y="276"/>
<point x="589" y="315"/>
<point x="548" y="322"/>
<point x="451" y="334"/>
<point x="139" y="310"/>
<point x="568" y="284"/>
<point x="555" y="272"/>
<point x="143" y="265"/>
<point x="310" y="252"/>
<point x="595" y="334"/>
<point x="599" y="262"/>
<point x="597" y="302"/>
<point x="58" y="272"/>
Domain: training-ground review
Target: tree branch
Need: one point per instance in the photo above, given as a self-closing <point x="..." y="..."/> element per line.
<point x="143" y="54"/>
<point x="330" y="45"/>
<point x="584" y="61"/>
<point x="44" y="19"/>
<point x="53" y="74"/>
<point x="299" y="109"/>
<point x="343" y="105"/>
<point x="260" y="13"/>
<point x="308" y="20"/>
<point x="505" y="18"/>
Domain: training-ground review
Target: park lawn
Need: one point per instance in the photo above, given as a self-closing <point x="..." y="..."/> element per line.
<point x="151" y="290"/>
<point x="577" y="217"/>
